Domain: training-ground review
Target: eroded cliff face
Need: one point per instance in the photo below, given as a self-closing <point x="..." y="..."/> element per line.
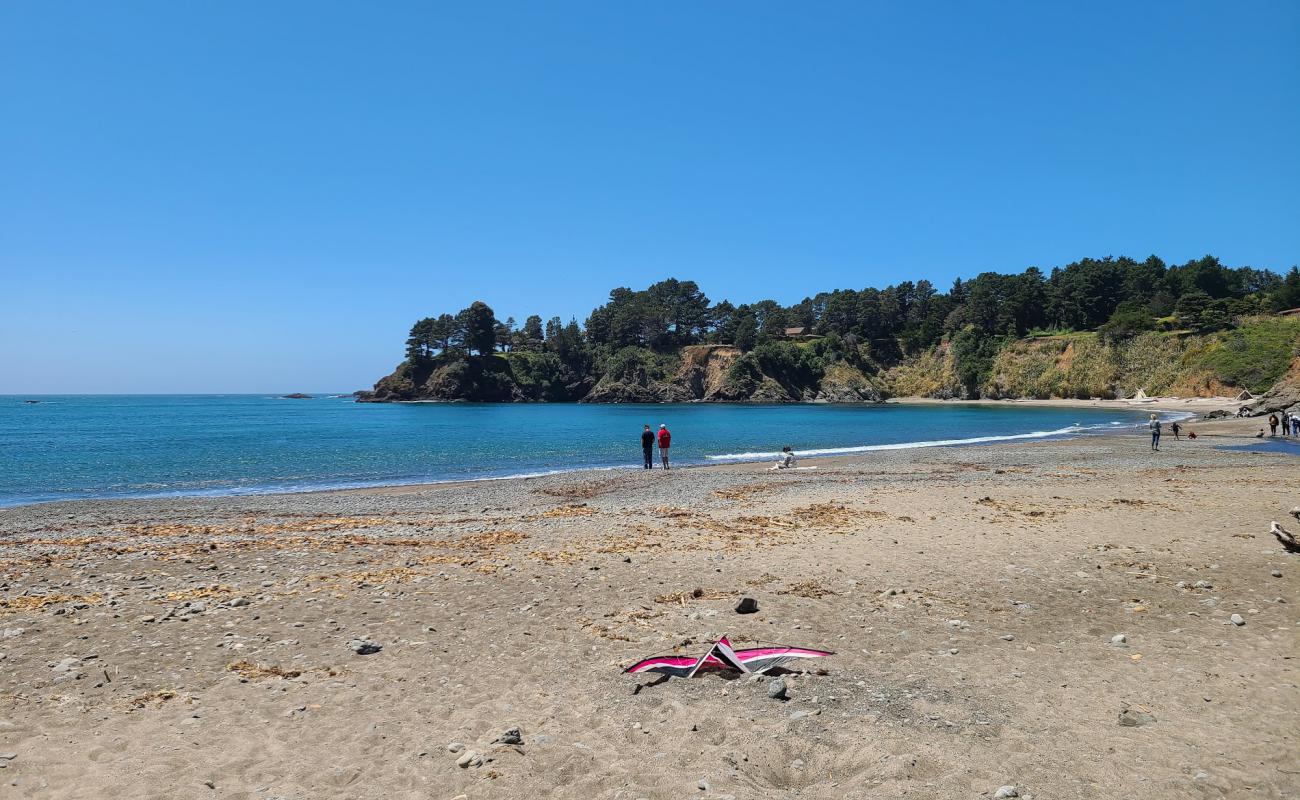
<point x="699" y="373"/>
<point x="1285" y="394"/>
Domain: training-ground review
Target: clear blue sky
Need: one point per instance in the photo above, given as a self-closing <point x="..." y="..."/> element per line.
<point x="262" y="196"/>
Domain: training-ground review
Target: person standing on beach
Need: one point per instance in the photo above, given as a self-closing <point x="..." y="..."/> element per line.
<point x="648" y="447"/>
<point x="1154" y="425"/>
<point x="1272" y="424"/>
<point x="665" y="439"/>
<point x="1175" y="427"/>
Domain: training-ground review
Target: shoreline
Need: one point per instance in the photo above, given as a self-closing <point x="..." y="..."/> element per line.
<point x="1229" y="428"/>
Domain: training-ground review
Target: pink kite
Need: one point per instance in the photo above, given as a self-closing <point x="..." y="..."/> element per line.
<point x="722" y="656"/>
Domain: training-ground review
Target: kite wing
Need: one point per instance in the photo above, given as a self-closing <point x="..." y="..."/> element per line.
<point x="761" y="659"/>
<point x="676" y="666"/>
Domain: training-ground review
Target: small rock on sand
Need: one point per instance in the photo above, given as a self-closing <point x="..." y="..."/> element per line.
<point x="1134" y="718"/>
<point x="747" y="605"/>
<point x="469" y="759"/>
<point x="1006" y="791"/>
<point x="1118" y="639"/>
<point x="1236" y="619"/>
<point x="455" y="747"/>
<point x="512" y="736"/>
<point x="364" y="647"/>
<point x="776" y="689"/>
<point x="1277" y="573"/>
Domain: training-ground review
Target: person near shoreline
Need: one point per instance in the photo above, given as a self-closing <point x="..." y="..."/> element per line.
<point x="1295" y="424"/>
<point x="1285" y="423"/>
<point x="786" y="459"/>
<point x="1154" y="425"/>
<point x="1272" y="424"/>
<point x="1175" y="428"/>
<point x="648" y="447"/>
<point x="665" y="439"/>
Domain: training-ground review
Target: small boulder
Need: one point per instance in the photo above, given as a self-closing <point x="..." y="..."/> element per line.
<point x="364" y="647"/>
<point x="747" y="605"/>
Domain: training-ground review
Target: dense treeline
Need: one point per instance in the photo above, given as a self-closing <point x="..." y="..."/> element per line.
<point x="1117" y="297"/>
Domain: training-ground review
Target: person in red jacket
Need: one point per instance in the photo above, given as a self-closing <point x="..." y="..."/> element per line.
<point x="665" y="439"/>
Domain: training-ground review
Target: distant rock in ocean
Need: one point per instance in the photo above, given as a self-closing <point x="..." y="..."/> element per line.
<point x="297" y="396"/>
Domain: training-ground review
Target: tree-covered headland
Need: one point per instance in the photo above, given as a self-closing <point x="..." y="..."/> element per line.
<point x="1095" y="327"/>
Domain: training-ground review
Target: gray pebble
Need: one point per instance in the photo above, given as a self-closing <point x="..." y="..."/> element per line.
<point x="776" y="689"/>
<point x="1006" y="637"/>
<point x="1132" y="718"/>
<point x="455" y="747"/>
<point x="512" y="736"/>
<point x="1006" y="791"/>
<point x="1277" y="573"/>
<point x="1236" y="619"/>
<point x="1118" y="639"/>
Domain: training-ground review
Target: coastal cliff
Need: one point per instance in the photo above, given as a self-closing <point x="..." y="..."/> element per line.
<point x="1103" y="328"/>
<point x="704" y="373"/>
<point x="1258" y="356"/>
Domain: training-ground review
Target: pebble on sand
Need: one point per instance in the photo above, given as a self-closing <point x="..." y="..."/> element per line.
<point x="1134" y="718"/>
<point x="364" y="647"/>
<point x="1118" y="639"/>
<point x="1236" y="619"/>
<point x="776" y="689"/>
<point x="512" y="736"/>
<point x="1006" y="791"/>
<point x="747" y="605"/>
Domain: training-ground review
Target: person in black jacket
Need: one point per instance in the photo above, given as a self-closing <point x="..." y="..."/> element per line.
<point x="648" y="447"/>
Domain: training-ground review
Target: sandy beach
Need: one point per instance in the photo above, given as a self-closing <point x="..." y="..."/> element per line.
<point x="1052" y="616"/>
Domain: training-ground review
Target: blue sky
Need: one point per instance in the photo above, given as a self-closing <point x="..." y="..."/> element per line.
<point x="252" y="196"/>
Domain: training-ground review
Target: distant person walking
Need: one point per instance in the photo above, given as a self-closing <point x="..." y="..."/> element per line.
<point x="1175" y="427"/>
<point x="1272" y="424"/>
<point x="665" y="439"/>
<point x="1154" y="425"/>
<point x="648" y="447"/>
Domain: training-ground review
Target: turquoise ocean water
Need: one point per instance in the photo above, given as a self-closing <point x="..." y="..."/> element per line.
<point x="96" y="446"/>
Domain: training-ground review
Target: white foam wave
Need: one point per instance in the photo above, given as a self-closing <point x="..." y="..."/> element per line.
<point x="867" y="448"/>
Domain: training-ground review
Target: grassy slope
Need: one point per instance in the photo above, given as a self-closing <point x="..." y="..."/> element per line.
<point x="1253" y="356"/>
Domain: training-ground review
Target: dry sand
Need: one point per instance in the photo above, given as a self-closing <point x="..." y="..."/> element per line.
<point x="199" y="648"/>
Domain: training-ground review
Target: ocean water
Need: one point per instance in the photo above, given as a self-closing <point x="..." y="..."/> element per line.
<point x="98" y="446"/>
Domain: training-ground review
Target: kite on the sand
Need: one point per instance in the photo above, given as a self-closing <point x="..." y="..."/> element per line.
<point x="722" y="656"/>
